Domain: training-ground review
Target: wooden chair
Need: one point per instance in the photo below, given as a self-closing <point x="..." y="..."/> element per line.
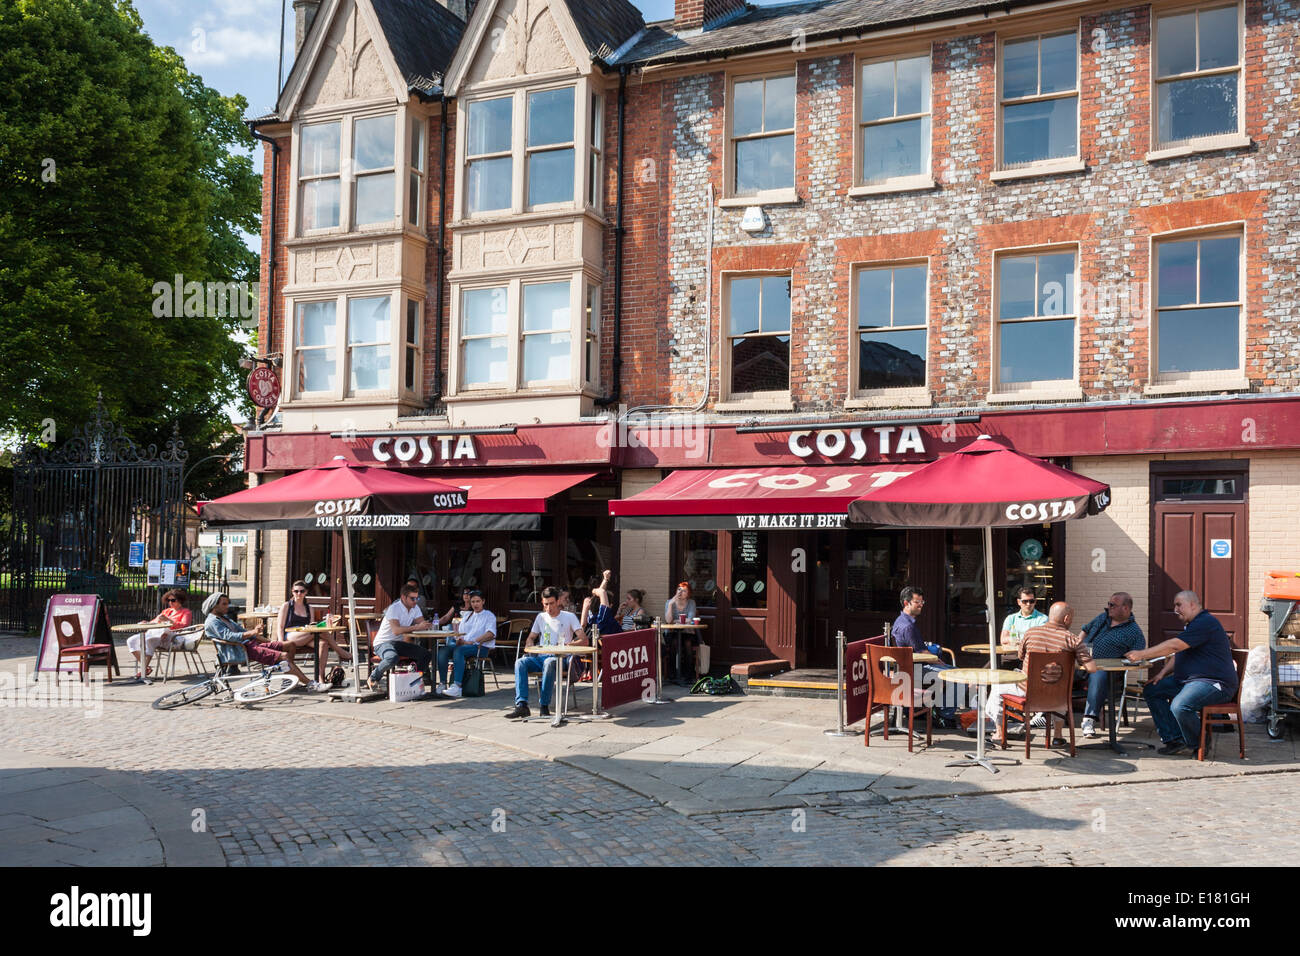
<point x="886" y="689"/>
<point x="72" y="644"/>
<point x="1048" y="691"/>
<point x="1216" y="715"/>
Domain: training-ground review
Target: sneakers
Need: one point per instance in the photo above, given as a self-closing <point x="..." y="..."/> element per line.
<point x="1172" y="749"/>
<point x="1089" y="727"/>
<point x="546" y="711"/>
<point x="451" y="690"/>
<point x="1038" y="721"/>
<point x="521" y="710"/>
<point x="318" y="686"/>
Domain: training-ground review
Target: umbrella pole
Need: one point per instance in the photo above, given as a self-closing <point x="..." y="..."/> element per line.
<point x="991" y="602"/>
<point x="352" y="609"/>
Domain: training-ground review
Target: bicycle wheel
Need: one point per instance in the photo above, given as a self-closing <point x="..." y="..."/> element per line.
<point x="264" y="688"/>
<point x="184" y="695"/>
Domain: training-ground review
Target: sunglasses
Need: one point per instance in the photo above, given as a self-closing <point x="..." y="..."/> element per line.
<point x="173" y="601"/>
<point x="299" y="591"/>
<point x="1029" y="600"/>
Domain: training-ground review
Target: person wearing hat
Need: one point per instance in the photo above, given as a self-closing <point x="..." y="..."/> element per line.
<point x="220" y="626"/>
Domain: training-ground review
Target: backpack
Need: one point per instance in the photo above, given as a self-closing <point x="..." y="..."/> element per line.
<point x="716" y="686"/>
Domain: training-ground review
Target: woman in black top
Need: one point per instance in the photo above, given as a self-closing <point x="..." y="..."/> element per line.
<point x="296" y="613"/>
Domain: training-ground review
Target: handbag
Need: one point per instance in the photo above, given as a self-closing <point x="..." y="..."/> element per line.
<point x="702" y="655"/>
<point x="472" y="684"/>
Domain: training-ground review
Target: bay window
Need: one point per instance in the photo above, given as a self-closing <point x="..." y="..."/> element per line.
<point x="318" y="176"/>
<point x="412" y="347"/>
<point x="596" y="151"/>
<point x="550" y="147"/>
<point x="351" y="345"/>
<point x="591" y="341"/>
<point x="546" y="333"/>
<point x="317" y="341"/>
<point x="415" y="195"/>
<point x="484" y="319"/>
<point x="488" y="161"/>
<point x="373" y="164"/>
<point x="370" y="350"/>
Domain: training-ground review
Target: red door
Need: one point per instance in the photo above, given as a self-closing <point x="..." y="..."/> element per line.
<point x="1199" y="534"/>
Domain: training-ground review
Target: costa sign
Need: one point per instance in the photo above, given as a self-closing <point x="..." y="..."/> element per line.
<point x="1040" y="510"/>
<point x="264" y="387"/>
<point x="814" y="483"/>
<point x="423" y="449"/>
<point x="852" y="444"/>
<point x="627" y="667"/>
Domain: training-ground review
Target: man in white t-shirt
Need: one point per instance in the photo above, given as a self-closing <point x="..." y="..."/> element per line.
<point x="476" y="636"/>
<point x="402" y="617"/>
<point x="551" y="627"/>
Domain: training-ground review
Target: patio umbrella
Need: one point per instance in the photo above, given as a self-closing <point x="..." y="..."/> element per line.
<point x="984" y="485"/>
<point x="328" y="497"/>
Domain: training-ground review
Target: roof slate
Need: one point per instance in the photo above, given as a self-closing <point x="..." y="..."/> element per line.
<point x="605" y="25"/>
<point x="423" y="36"/>
<point x="813" y="19"/>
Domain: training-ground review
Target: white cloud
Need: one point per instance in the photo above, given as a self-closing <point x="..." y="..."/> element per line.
<point x="217" y="47"/>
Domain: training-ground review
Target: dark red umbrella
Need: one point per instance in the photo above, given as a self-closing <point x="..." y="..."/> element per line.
<point x="334" y="496"/>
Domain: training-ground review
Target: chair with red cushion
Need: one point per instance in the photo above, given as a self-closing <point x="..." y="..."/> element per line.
<point x="886" y="689"/>
<point x="72" y="644"/>
<point x="1048" y="681"/>
<point x="1216" y="715"/>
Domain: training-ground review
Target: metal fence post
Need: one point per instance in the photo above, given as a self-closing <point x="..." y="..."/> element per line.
<point x="839" y="730"/>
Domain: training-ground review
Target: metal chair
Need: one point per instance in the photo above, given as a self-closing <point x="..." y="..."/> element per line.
<point x="1215" y="715"/>
<point x="191" y="651"/>
<point x="1048" y="691"/>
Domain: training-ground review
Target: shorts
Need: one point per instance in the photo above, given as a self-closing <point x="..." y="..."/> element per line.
<point x="268" y="652"/>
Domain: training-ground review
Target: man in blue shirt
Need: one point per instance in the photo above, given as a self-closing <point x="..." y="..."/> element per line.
<point x="1111" y="634"/>
<point x="1200" y="672"/>
<point x="906" y="634"/>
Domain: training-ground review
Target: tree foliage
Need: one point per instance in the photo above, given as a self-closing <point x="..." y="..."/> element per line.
<point x="118" y="169"/>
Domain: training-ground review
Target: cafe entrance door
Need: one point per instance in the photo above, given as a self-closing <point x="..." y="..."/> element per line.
<point x="855" y="577"/>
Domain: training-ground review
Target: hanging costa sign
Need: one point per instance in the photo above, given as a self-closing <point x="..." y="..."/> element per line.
<point x="264" y="387"/>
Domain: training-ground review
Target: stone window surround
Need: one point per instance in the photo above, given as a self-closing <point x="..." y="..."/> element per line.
<point x="782" y="196"/>
<point x="920" y="181"/>
<point x="1046" y="389"/>
<point x="583" y="90"/>
<point x="346" y="116"/>
<point x="1060" y="164"/>
<point x="397" y="392"/>
<point x="911" y="397"/>
<point x="579" y="279"/>
<point x="1216" y="380"/>
<point x="1158" y="150"/>
<point x="748" y="401"/>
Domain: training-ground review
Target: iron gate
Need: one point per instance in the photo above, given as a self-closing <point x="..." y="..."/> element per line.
<point x="77" y="508"/>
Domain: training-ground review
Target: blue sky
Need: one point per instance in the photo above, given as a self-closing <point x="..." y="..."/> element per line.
<point x="232" y="43"/>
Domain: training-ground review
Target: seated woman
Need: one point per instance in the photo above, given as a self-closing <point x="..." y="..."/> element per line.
<point x="679" y="607"/>
<point x="295" y="613"/>
<point x="175" y="616"/>
<point x="630" y="612"/>
<point x="220" y="626"/>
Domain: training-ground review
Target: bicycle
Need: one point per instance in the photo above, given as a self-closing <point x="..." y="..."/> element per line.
<point x="272" y="682"/>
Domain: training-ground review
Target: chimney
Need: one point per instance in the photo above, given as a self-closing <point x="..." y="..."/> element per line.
<point x="694" y="14"/>
<point x="304" y="12"/>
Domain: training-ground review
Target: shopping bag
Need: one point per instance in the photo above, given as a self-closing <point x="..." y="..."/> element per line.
<point x="702" y="655"/>
<point x="405" y="685"/>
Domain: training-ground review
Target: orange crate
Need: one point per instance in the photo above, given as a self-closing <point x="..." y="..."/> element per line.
<point x="1283" y="584"/>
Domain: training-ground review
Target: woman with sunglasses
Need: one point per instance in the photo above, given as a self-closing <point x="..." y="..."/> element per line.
<point x="296" y="613"/>
<point x="174" y="616"/>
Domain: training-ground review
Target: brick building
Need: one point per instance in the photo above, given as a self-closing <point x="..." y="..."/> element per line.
<point x="570" y="257"/>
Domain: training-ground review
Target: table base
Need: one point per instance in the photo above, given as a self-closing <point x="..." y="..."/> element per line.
<point x="600" y="716"/>
<point x="985" y="761"/>
<point x="842" y="733"/>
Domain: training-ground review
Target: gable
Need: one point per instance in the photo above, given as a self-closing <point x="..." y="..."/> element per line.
<point x="349" y="65"/>
<point x="515" y="38"/>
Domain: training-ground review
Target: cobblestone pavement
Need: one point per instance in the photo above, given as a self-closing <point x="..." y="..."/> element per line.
<point x="280" y="787"/>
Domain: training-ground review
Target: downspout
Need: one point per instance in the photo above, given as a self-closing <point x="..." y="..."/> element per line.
<point x="442" y="253"/>
<point x="270" y="318"/>
<point x="617" y="365"/>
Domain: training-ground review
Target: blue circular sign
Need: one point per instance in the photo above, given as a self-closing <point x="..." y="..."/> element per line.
<point x="1221" y="547"/>
<point x="1031" y="549"/>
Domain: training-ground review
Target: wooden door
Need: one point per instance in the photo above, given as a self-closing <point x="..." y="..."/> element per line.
<point x="825" y="556"/>
<point x="740" y="625"/>
<point x="1199" y="535"/>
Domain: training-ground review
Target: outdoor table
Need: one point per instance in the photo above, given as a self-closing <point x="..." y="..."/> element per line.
<point x="678" y="627"/>
<point x="558" y="651"/>
<point x="126" y="630"/>
<point x="981" y="676"/>
<point x="1113" y="666"/>
<point x="997" y="648"/>
<point x="316" y="632"/>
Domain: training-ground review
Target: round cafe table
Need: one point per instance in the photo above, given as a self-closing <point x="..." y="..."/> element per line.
<point x="1113" y="666"/>
<point x="997" y="648"/>
<point x="316" y="632"/>
<point x="561" y="651"/>
<point x="982" y="677"/>
<point x="433" y="636"/>
<point x="125" y="631"/>
<point x="679" y="627"/>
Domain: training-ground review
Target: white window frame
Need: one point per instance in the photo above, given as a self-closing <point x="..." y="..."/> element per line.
<point x="1060" y="164"/>
<point x="593" y="301"/>
<point x="417" y="174"/>
<point x="922" y="180"/>
<point x="900" y="395"/>
<point x="296" y="390"/>
<point x="1172" y="148"/>
<point x="784" y="194"/>
<point x="511" y="382"/>
<point x="520" y="151"/>
<point x="342" y="391"/>
<point x="347" y="174"/>
<point x="409" y="346"/>
<point x="1041" y="389"/>
<point x="1230" y="379"/>
<point x="596" y="152"/>
<point x="301" y="179"/>
<point x="777" y="397"/>
<point x="571" y="144"/>
<point x="358" y="174"/>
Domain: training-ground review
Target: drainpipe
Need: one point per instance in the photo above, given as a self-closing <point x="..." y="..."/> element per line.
<point x="617" y="365"/>
<point x="265" y="414"/>
<point x="442" y="253"/>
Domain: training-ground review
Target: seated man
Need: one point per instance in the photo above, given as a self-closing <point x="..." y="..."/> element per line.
<point x="1050" y="637"/>
<point x="906" y="634"/>
<point x="402" y="617"/>
<point x="552" y="627"/>
<point x="476" y="636"/>
<point x="220" y="626"/>
<point x="1201" y="671"/>
<point x="1111" y="634"/>
<point x="1018" y="622"/>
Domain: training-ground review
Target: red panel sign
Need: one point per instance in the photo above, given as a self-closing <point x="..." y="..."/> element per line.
<point x="264" y="387"/>
<point x="628" y="667"/>
<point x="855" y="680"/>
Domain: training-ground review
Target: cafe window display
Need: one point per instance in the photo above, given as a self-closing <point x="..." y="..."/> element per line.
<point x="1031" y="563"/>
<point x="697" y="565"/>
<point x="749" y="569"/>
<point x="875" y="570"/>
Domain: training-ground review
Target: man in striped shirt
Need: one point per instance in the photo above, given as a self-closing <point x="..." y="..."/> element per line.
<point x="1051" y="637"/>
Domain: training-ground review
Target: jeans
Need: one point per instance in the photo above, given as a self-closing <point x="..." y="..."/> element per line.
<point x="390" y="651"/>
<point x="945" y="692"/>
<point x="1097" y="689"/>
<point x="1176" y="707"/>
<point x="461" y="653"/>
<point x="532" y="664"/>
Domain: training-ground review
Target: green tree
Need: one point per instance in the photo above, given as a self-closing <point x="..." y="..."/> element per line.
<point x="119" y="169"/>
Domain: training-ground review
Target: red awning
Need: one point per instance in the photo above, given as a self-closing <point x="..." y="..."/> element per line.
<point x="521" y="492"/>
<point x="759" y="498"/>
